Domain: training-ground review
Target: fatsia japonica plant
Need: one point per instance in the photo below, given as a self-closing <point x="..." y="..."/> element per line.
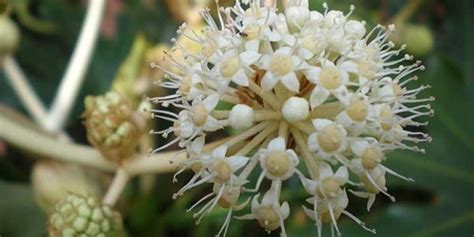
<point x="314" y="96"/>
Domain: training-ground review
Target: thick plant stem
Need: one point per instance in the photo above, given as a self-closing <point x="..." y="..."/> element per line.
<point x="41" y="144"/>
<point x="25" y="92"/>
<point x="306" y="154"/>
<point x="75" y="72"/>
<point x="116" y="188"/>
<point x="266" y="96"/>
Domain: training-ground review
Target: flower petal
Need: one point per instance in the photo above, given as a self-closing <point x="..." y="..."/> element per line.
<point x="290" y="81"/>
<point x="249" y="57"/>
<point x="313" y="144"/>
<point x="277" y="144"/>
<point x="318" y="96"/>
<point x="211" y="102"/>
<point x="219" y="152"/>
<point x="342" y="95"/>
<point x="240" y="78"/>
<point x="237" y="162"/>
<point x="349" y="66"/>
<point x="320" y="124"/>
<point x="358" y="147"/>
<point x="268" y="81"/>
<point x="312" y="74"/>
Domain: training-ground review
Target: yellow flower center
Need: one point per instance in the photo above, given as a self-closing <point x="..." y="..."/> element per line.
<point x="223" y="171"/>
<point x="199" y="115"/>
<point x="278" y="163"/>
<point x="329" y="188"/>
<point x="312" y="44"/>
<point x="252" y="32"/>
<point x="230" y="66"/>
<point x="186" y="84"/>
<point x="357" y="110"/>
<point x="366" y="70"/>
<point x="330" y="78"/>
<point x="371" y="157"/>
<point x="268" y="218"/>
<point x="280" y="64"/>
<point x="386" y="118"/>
<point x="330" y="138"/>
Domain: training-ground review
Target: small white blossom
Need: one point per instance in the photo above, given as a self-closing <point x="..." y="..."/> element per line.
<point x="277" y="162"/>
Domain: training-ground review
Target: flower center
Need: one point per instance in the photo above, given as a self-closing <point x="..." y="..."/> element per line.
<point x="229" y="197"/>
<point x="186" y="84"/>
<point x="230" y="66"/>
<point x="311" y="43"/>
<point x="386" y="118"/>
<point x="278" y="163"/>
<point x="196" y="167"/>
<point x="357" y="110"/>
<point x="366" y="70"/>
<point x="199" y="115"/>
<point x="252" y="32"/>
<point x="268" y="218"/>
<point x="223" y="171"/>
<point x="177" y="128"/>
<point x="397" y="90"/>
<point x="329" y="188"/>
<point x="208" y="49"/>
<point x="330" y="78"/>
<point x="280" y="64"/>
<point x="330" y="139"/>
<point x="370" y="158"/>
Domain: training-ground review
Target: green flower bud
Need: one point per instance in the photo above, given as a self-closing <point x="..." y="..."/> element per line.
<point x="52" y="181"/>
<point x="9" y="35"/>
<point x="113" y="127"/>
<point x="419" y="39"/>
<point x="84" y="216"/>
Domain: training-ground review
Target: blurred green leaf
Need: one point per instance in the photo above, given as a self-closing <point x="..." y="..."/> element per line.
<point x="19" y="215"/>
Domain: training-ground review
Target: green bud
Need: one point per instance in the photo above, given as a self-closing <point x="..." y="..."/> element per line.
<point x="9" y="35"/>
<point x="52" y="181"/>
<point x="84" y="216"/>
<point x="113" y="127"/>
<point x="419" y="39"/>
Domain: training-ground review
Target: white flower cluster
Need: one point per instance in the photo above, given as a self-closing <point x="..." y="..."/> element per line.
<point x="310" y="92"/>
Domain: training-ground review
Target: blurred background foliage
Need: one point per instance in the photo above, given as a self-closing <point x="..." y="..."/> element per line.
<point x="439" y="203"/>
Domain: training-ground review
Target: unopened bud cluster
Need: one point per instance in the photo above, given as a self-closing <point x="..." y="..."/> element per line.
<point x="84" y="216"/>
<point x="113" y="126"/>
<point x="314" y="95"/>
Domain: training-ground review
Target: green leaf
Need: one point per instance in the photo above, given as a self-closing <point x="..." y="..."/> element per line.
<point x="19" y="215"/>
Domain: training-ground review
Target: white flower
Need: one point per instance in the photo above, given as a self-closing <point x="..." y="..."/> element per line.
<point x="355" y="115"/>
<point x="297" y="14"/>
<point x="329" y="183"/>
<point x="329" y="79"/>
<point x="281" y="66"/>
<point x="329" y="138"/>
<point x="201" y="113"/>
<point x="277" y="162"/>
<point x="269" y="213"/>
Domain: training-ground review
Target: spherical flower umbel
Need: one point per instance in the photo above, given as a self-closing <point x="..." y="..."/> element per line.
<point x="84" y="216"/>
<point x="309" y="93"/>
